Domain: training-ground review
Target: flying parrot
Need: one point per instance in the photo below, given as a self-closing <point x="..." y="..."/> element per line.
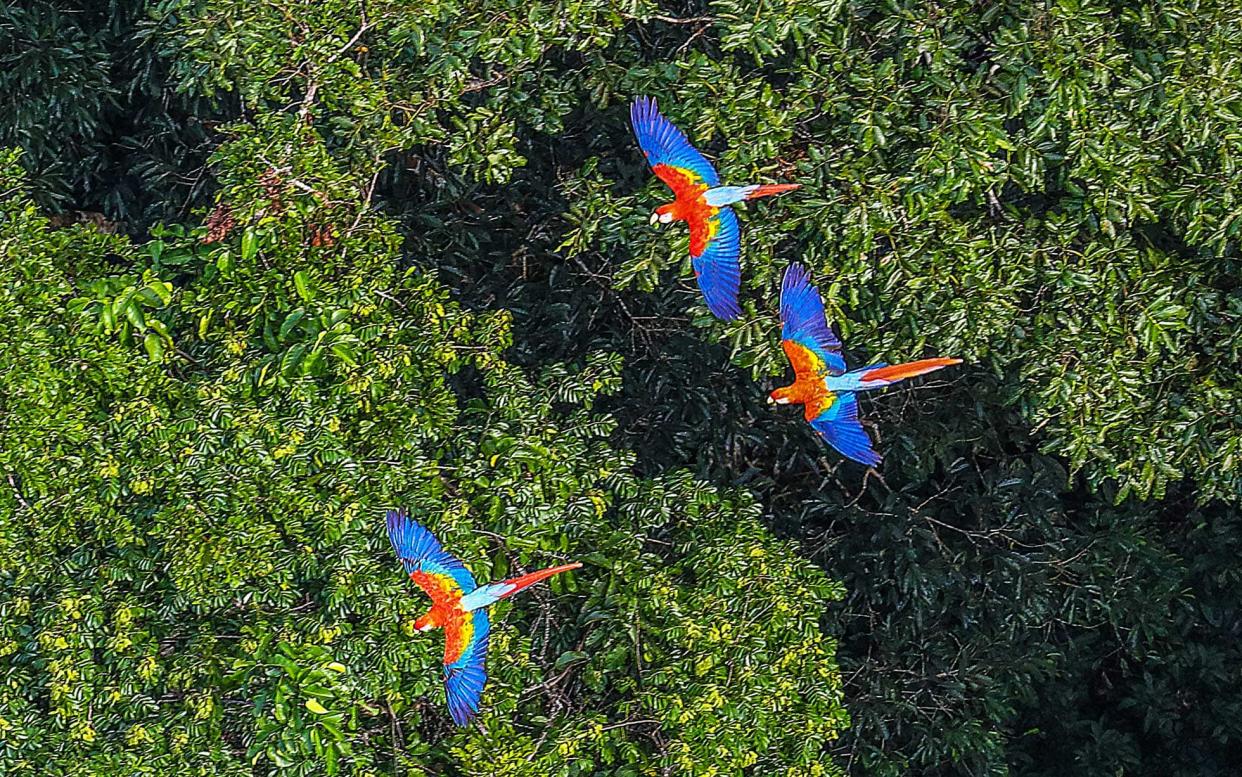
<point x="701" y="202"/>
<point x="821" y="383"/>
<point x="457" y="605"/>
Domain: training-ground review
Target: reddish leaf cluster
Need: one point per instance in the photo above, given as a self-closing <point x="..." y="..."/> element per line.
<point x="322" y="235"/>
<point x="219" y="224"/>
<point x="273" y="186"/>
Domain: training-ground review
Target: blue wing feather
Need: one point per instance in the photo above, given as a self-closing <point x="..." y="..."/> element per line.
<point x="718" y="270"/>
<point x="802" y="316"/>
<point x="664" y="144"/>
<point x="419" y="549"/>
<point x="838" y="424"/>
<point x="464" y="678"/>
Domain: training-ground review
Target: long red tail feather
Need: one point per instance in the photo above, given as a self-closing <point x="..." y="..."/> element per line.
<point x="902" y="371"/>
<point x="769" y="189"/>
<point x="528" y="580"/>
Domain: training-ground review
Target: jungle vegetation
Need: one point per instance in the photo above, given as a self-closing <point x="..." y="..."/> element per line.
<point x="270" y="268"/>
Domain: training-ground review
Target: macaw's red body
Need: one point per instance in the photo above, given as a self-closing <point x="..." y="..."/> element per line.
<point x="827" y="392"/>
<point x="690" y="204"/>
<point x="447" y="611"/>
<point x="812" y="391"/>
<point x="701" y="202"/>
<point x="458" y="606"/>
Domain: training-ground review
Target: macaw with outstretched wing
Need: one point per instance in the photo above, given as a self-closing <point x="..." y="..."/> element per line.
<point x="821" y="383"/>
<point x="701" y="202"/>
<point x="458" y="605"/>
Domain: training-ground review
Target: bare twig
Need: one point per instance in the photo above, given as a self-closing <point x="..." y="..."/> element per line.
<point x="391" y="299"/>
<point x="366" y="200"/>
<point x="365" y="26"/>
<point x="308" y="101"/>
<point x="398" y="738"/>
<point x="624" y="723"/>
<point x="17" y="493"/>
<point x="670" y="19"/>
<point x="479" y="86"/>
<point x="285" y="170"/>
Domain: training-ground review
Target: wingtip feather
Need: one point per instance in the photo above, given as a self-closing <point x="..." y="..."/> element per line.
<point x="724" y="309"/>
<point x="795" y="277"/>
<point x="643" y="110"/>
<point x="838" y="424"/>
<point x="799" y="298"/>
<point x="395" y="521"/>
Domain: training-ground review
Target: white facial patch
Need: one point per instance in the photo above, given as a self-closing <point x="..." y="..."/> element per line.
<point x="666" y="218"/>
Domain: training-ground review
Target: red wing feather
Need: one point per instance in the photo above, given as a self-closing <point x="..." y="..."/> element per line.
<point x="458" y="633"/>
<point x="685" y="184"/>
<point x="702" y="230"/>
<point x="807" y="365"/>
<point x="466" y="674"/>
<point x="442" y="589"/>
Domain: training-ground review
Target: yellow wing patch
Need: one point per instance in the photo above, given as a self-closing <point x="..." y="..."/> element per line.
<point x="442" y="588"/>
<point x="817" y="404"/>
<point x="807" y="365"/>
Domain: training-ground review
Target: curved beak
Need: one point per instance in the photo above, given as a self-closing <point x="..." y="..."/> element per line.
<point x="771" y="401"/>
<point x="655" y="218"/>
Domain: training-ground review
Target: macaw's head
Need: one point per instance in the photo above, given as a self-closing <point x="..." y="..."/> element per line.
<point x="781" y="396"/>
<point x="427" y="621"/>
<point x="662" y="214"/>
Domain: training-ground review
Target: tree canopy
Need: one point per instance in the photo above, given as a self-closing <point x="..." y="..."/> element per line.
<point x="339" y="257"/>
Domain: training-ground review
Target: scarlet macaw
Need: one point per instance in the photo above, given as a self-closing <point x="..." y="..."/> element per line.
<point x="457" y="605"/>
<point x="821" y="383"/>
<point x="700" y="201"/>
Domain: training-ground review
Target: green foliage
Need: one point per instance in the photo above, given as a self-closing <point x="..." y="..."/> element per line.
<point x="1043" y="575"/>
<point x="196" y="575"/>
<point x="1000" y="623"/>
<point x="1047" y="191"/>
<point x="107" y="136"/>
<point x="293" y="726"/>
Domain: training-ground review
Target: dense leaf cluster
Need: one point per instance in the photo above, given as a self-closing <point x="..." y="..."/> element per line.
<point x="86" y="93"/>
<point x="1042" y="579"/>
<point x="199" y="441"/>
